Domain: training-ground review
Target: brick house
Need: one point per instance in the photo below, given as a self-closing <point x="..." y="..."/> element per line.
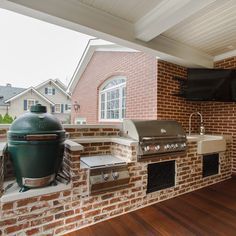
<point x="112" y="83"/>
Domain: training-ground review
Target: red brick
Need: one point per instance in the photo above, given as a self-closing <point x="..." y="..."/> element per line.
<point x="26" y="201"/>
<point x="92" y="213"/>
<point x="7" y="222"/>
<point x="7" y="206"/>
<point x="34" y="231"/>
<point x="15" y="228"/>
<point x="52" y="225"/>
<point x="41" y="220"/>
<point x="64" y="214"/>
<point x="73" y="219"/>
<point x="49" y="197"/>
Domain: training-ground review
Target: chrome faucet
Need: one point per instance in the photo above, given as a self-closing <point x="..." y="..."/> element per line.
<point x="202" y="128"/>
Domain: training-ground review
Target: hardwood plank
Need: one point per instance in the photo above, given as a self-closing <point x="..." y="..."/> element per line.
<point x="208" y="211"/>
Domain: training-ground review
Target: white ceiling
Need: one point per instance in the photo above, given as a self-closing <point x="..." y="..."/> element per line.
<point x="212" y="29"/>
<point x="186" y="32"/>
<point x="130" y="10"/>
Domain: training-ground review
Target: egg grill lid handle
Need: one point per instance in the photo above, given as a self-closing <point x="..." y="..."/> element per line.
<point x="38" y="137"/>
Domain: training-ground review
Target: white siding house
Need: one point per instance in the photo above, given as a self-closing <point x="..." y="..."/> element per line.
<point x="51" y="94"/>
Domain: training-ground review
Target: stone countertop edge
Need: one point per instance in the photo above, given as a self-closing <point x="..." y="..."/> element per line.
<point x="73" y="146"/>
<point x="114" y="139"/>
<point x="227" y="137"/>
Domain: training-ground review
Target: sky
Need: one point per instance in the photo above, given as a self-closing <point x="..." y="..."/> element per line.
<point x="32" y="51"/>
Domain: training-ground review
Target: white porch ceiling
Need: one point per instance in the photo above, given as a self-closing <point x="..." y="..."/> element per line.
<point x="212" y="29"/>
<point x="186" y="32"/>
<point x="129" y="10"/>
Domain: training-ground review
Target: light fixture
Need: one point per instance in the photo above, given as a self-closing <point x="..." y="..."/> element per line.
<point x="76" y="106"/>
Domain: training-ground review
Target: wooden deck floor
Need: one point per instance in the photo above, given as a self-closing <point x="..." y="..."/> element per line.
<point x="209" y="211"/>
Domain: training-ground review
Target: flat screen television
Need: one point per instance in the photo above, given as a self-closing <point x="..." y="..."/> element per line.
<point x="211" y="85"/>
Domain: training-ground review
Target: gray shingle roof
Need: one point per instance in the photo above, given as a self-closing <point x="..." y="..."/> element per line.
<point x="7" y="92"/>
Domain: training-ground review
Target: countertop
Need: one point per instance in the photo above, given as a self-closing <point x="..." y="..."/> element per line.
<point x="101" y="139"/>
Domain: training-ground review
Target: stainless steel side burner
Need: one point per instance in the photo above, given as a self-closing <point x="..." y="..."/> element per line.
<point x="107" y="173"/>
<point x="102" y="161"/>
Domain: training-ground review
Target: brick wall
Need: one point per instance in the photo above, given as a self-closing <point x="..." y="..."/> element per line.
<point x="220" y="117"/>
<point x="64" y="211"/>
<point x="170" y="106"/>
<point x="140" y="71"/>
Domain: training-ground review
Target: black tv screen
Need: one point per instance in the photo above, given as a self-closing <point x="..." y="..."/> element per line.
<point x="211" y="85"/>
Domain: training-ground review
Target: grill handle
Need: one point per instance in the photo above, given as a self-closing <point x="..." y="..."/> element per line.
<point x="40" y="137"/>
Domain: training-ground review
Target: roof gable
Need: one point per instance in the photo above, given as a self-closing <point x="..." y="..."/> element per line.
<point x="26" y="91"/>
<point x="92" y="46"/>
<point x="50" y="81"/>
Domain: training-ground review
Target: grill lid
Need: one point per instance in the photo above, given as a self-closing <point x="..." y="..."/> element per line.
<point x="31" y="125"/>
<point x="151" y="129"/>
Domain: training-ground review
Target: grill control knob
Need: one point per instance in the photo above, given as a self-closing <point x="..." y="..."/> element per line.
<point x="167" y="146"/>
<point x="172" y="146"/>
<point x="147" y="148"/>
<point x="105" y="176"/>
<point x="157" y="147"/>
<point x="176" y="145"/>
<point x="115" y="175"/>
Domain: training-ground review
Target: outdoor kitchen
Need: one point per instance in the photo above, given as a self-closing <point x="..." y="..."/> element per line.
<point x="113" y="170"/>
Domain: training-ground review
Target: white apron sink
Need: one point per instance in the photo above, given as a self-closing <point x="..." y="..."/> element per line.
<point x="208" y="143"/>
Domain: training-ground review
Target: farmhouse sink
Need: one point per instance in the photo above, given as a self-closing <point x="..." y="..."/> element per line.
<point x="208" y="143"/>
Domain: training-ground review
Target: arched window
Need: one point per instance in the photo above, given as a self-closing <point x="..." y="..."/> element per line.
<point x="112" y="99"/>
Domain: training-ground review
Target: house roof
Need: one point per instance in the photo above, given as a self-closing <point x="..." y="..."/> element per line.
<point x="26" y="91"/>
<point x="92" y="46"/>
<point x="58" y="82"/>
<point x="7" y="92"/>
<point x="55" y="84"/>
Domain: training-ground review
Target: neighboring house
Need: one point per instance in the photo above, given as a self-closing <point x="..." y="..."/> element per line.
<point x="55" y="91"/>
<point x="112" y="83"/>
<point x="7" y="92"/>
<point x="50" y="93"/>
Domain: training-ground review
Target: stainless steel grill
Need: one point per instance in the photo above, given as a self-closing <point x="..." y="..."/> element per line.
<point x="156" y="136"/>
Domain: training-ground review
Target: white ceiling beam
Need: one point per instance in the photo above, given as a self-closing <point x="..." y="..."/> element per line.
<point x="181" y="50"/>
<point x="165" y="15"/>
<point x="225" y="55"/>
<point x="79" y="17"/>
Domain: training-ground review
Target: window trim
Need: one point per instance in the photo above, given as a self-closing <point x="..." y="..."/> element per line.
<point x="102" y="91"/>
<point x="50" y="89"/>
<point x="55" y="108"/>
<point x="32" y="100"/>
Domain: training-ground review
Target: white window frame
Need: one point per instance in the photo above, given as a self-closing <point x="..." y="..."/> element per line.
<point x="30" y="100"/>
<point x="50" y="89"/>
<point x="55" y="108"/>
<point x="80" y="121"/>
<point x="104" y="91"/>
<point x="68" y="108"/>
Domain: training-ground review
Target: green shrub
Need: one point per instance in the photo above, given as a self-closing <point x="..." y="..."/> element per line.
<point x="7" y="119"/>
